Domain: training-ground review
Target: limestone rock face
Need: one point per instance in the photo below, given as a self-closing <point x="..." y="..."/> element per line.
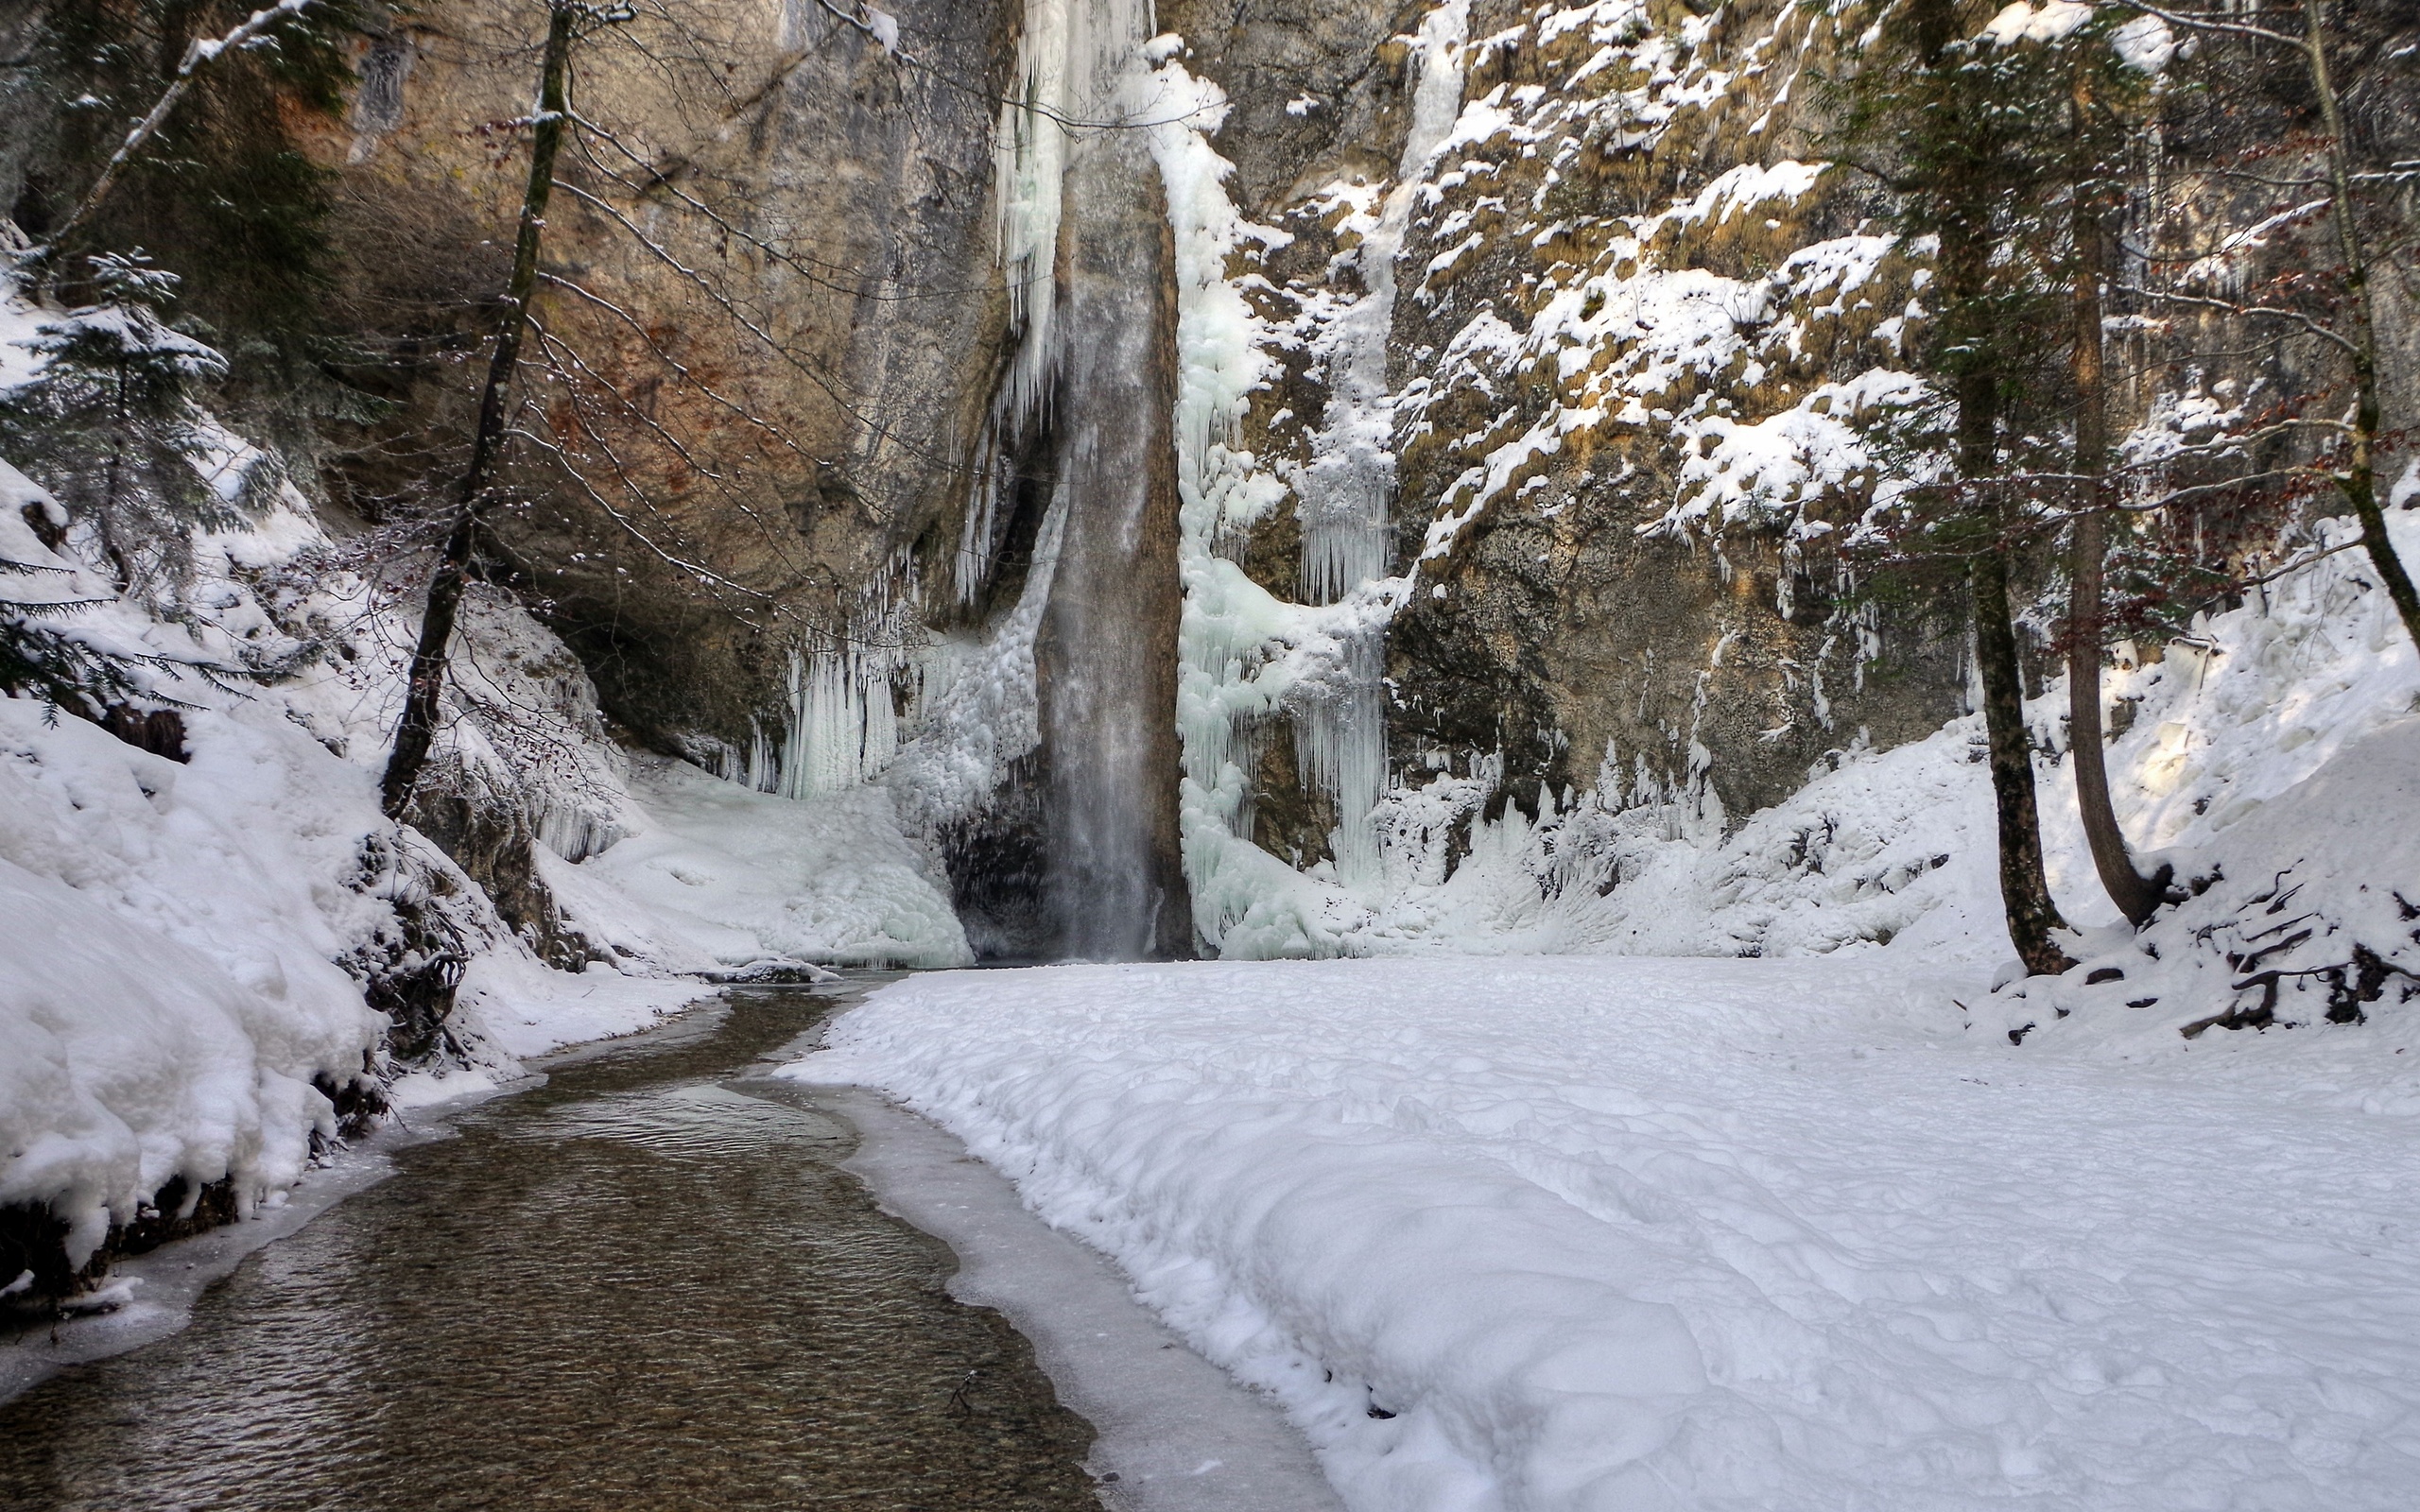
<point x="1591" y="288"/>
<point x="772" y="316"/>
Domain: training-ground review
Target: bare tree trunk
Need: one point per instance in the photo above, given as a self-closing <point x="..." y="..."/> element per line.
<point x="2359" y="481"/>
<point x="2137" y="897"/>
<point x="425" y="686"/>
<point x="2024" y="886"/>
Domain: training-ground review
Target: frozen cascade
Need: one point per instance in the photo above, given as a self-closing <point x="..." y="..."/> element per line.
<point x="844" y="726"/>
<point x="978" y="709"/>
<point x="1073" y="63"/>
<point x="1345" y="490"/>
<point x="1246" y="655"/>
<point x="1072" y="58"/>
<point x="1341" y="725"/>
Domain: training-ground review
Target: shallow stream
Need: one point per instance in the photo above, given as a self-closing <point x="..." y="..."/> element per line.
<point x="646" y="1285"/>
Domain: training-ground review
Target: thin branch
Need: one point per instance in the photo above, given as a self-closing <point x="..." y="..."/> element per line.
<point x="2231" y="307"/>
<point x="200" y="51"/>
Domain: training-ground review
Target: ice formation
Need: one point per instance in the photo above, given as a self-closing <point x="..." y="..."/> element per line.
<point x="1075" y="60"/>
<point x="1245" y="654"/>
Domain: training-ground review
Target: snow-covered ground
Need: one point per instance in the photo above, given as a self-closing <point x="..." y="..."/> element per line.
<point x="1867" y="1220"/>
<point x="740" y="875"/>
<point x="1600" y="1233"/>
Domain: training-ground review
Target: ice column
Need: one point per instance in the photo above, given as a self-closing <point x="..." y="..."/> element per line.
<point x="843" y="726"/>
<point x="1339" y="726"/>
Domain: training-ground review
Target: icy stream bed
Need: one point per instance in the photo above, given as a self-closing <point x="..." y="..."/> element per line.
<point x="649" y="1280"/>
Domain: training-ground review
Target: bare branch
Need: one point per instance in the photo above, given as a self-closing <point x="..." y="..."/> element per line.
<point x="202" y="50"/>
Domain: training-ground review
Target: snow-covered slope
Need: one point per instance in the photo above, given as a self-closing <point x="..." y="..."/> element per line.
<point x="198" y="943"/>
<point x="168" y="991"/>
<point x="739" y="876"/>
<point x="1627" y="1234"/>
<point x="1897" y="847"/>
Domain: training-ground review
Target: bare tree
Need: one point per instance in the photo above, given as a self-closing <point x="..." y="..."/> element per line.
<point x="2351" y="328"/>
<point x="578" y="377"/>
<point x="424" y="686"/>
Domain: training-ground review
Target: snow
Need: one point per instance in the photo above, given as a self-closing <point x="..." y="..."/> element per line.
<point x="170" y="986"/>
<point x="2051" y="23"/>
<point x="737" y="877"/>
<point x="1881" y="844"/>
<point x="187" y="939"/>
<point x="100" y="1111"/>
<point x="2144" y="43"/>
<point x="1638" y="1233"/>
<point x="1812" y="1214"/>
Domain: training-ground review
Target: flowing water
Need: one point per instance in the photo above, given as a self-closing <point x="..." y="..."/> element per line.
<point x="645" y="1285"/>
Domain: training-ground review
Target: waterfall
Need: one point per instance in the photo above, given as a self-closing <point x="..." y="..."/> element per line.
<point x="1082" y="240"/>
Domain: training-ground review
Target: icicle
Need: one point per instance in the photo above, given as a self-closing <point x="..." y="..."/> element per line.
<point x="1341" y="740"/>
<point x="1347" y="491"/>
<point x="975" y="539"/>
<point x="1070" y="63"/>
<point x="843" y="725"/>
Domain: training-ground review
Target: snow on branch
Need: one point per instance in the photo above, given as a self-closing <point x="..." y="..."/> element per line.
<point x="204" y="50"/>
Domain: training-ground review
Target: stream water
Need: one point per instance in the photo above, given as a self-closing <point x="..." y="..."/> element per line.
<point x="646" y="1285"/>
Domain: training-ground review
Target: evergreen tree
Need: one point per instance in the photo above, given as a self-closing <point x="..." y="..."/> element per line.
<point x="2086" y="74"/>
<point x="43" y="659"/>
<point x="1935" y="114"/>
<point x="109" y="421"/>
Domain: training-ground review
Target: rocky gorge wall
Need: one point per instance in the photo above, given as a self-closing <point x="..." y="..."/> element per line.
<point x="1545" y="356"/>
<point x="1477" y="380"/>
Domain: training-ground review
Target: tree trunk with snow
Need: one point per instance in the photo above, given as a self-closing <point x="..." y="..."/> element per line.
<point x="425" y="687"/>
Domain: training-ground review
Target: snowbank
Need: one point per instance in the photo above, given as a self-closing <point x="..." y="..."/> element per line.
<point x="729" y="876"/>
<point x="168" y="986"/>
<point x="1600" y="1233"/>
<point x="191" y="928"/>
<point x="1839" y="1225"/>
<point x="175" y="978"/>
